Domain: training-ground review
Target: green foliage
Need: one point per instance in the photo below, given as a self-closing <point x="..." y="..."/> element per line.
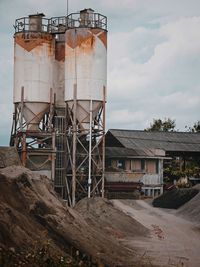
<point x="173" y="172"/>
<point x="166" y="125"/>
<point x="195" y="128"/>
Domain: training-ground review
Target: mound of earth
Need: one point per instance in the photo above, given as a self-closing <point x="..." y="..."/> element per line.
<point x="31" y="212"/>
<point x="8" y="156"/>
<point x="175" y="198"/>
<point x="104" y="216"/>
<point x="191" y="210"/>
<point x="197" y="186"/>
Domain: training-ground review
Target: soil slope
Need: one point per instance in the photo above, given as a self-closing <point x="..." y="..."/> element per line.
<point x="30" y="211"/>
<point x="175" y="198"/>
<point x="173" y="240"/>
<point x="191" y="210"/>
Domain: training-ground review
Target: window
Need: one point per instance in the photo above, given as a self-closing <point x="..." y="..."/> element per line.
<point x="121" y="164"/>
<point x="137" y="165"/>
<point x="127" y="165"/>
<point x="157" y="166"/>
<point x="108" y="163"/>
<point x="114" y="163"/>
<point x="151" y="166"/>
<point x="142" y="164"/>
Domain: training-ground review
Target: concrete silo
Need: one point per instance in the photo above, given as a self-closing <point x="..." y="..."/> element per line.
<point x="33" y="69"/>
<point x="58" y="127"/>
<point x="59" y="64"/>
<point x="33" y="96"/>
<point x="85" y="96"/>
<point x="59" y="119"/>
<point x="85" y="64"/>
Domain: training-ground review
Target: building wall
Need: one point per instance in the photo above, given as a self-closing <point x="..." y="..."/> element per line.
<point x="137" y="165"/>
<point x="147" y="171"/>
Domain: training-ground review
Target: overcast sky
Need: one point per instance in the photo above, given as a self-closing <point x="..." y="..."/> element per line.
<point x="153" y="58"/>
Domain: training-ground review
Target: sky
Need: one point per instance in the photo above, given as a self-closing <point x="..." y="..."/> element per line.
<point x="153" y="58"/>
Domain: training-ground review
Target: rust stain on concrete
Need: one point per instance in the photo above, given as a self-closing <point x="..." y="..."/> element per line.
<point x="103" y="38"/>
<point x="31" y="41"/>
<point x="60" y="51"/>
<point x="96" y="31"/>
<point x="76" y="38"/>
<point x="102" y="35"/>
<point x="84" y="40"/>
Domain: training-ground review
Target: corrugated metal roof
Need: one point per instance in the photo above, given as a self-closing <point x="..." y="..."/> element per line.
<point x="168" y="141"/>
<point x="115" y="152"/>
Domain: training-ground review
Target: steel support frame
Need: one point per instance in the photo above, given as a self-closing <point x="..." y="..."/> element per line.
<point x="31" y="143"/>
<point x="60" y="163"/>
<point x="85" y="164"/>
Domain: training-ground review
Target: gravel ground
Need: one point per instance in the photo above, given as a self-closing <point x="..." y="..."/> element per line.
<point x="174" y="241"/>
<point x="191" y="210"/>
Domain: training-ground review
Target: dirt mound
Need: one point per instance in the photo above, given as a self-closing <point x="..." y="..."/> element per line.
<point x="197" y="186"/>
<point x="191" y="210"/>
<point x="175" y="198"/>
<point x="102" y="213"/>
<point x="8" y="156"/>
<point x="30" y="212"/>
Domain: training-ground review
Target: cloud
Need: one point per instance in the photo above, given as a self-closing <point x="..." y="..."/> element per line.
<point x="153" y="58"/>
<point x="164" y="81"/>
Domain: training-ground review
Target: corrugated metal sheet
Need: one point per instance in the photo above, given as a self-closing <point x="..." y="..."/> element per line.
<point x="118" y="152"/>
<point x="146" y="179"/>
<point x="168" y="141"/>
<point x="123" y="177"/>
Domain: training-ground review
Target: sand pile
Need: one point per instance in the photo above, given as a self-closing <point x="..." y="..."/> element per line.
<point x="191" y="210"/>
<point x="30" y="212"/>
<point x="197" y="186"/>
<point x="102" y="213"/>
<point x="175" y="198"/>
<point x="8" y="157"/>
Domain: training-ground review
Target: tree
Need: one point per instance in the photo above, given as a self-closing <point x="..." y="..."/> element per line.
<point x="166" y="125"/>
<point x="195" y="128"/>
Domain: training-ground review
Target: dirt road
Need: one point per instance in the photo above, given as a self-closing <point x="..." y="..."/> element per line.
<point x="173" y="241"/>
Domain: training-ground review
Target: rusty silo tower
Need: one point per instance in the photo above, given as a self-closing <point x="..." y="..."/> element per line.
<point x="85" y="97"/>
<point x="33" y="95"/>
<point x="60" y="68"/>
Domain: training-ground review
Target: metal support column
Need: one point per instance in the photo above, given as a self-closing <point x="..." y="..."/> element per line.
<point x="90" y="153"/>
<point x="74" y="147"/>
<point x="21" y="108"/>
<point x="103" y="143"/>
